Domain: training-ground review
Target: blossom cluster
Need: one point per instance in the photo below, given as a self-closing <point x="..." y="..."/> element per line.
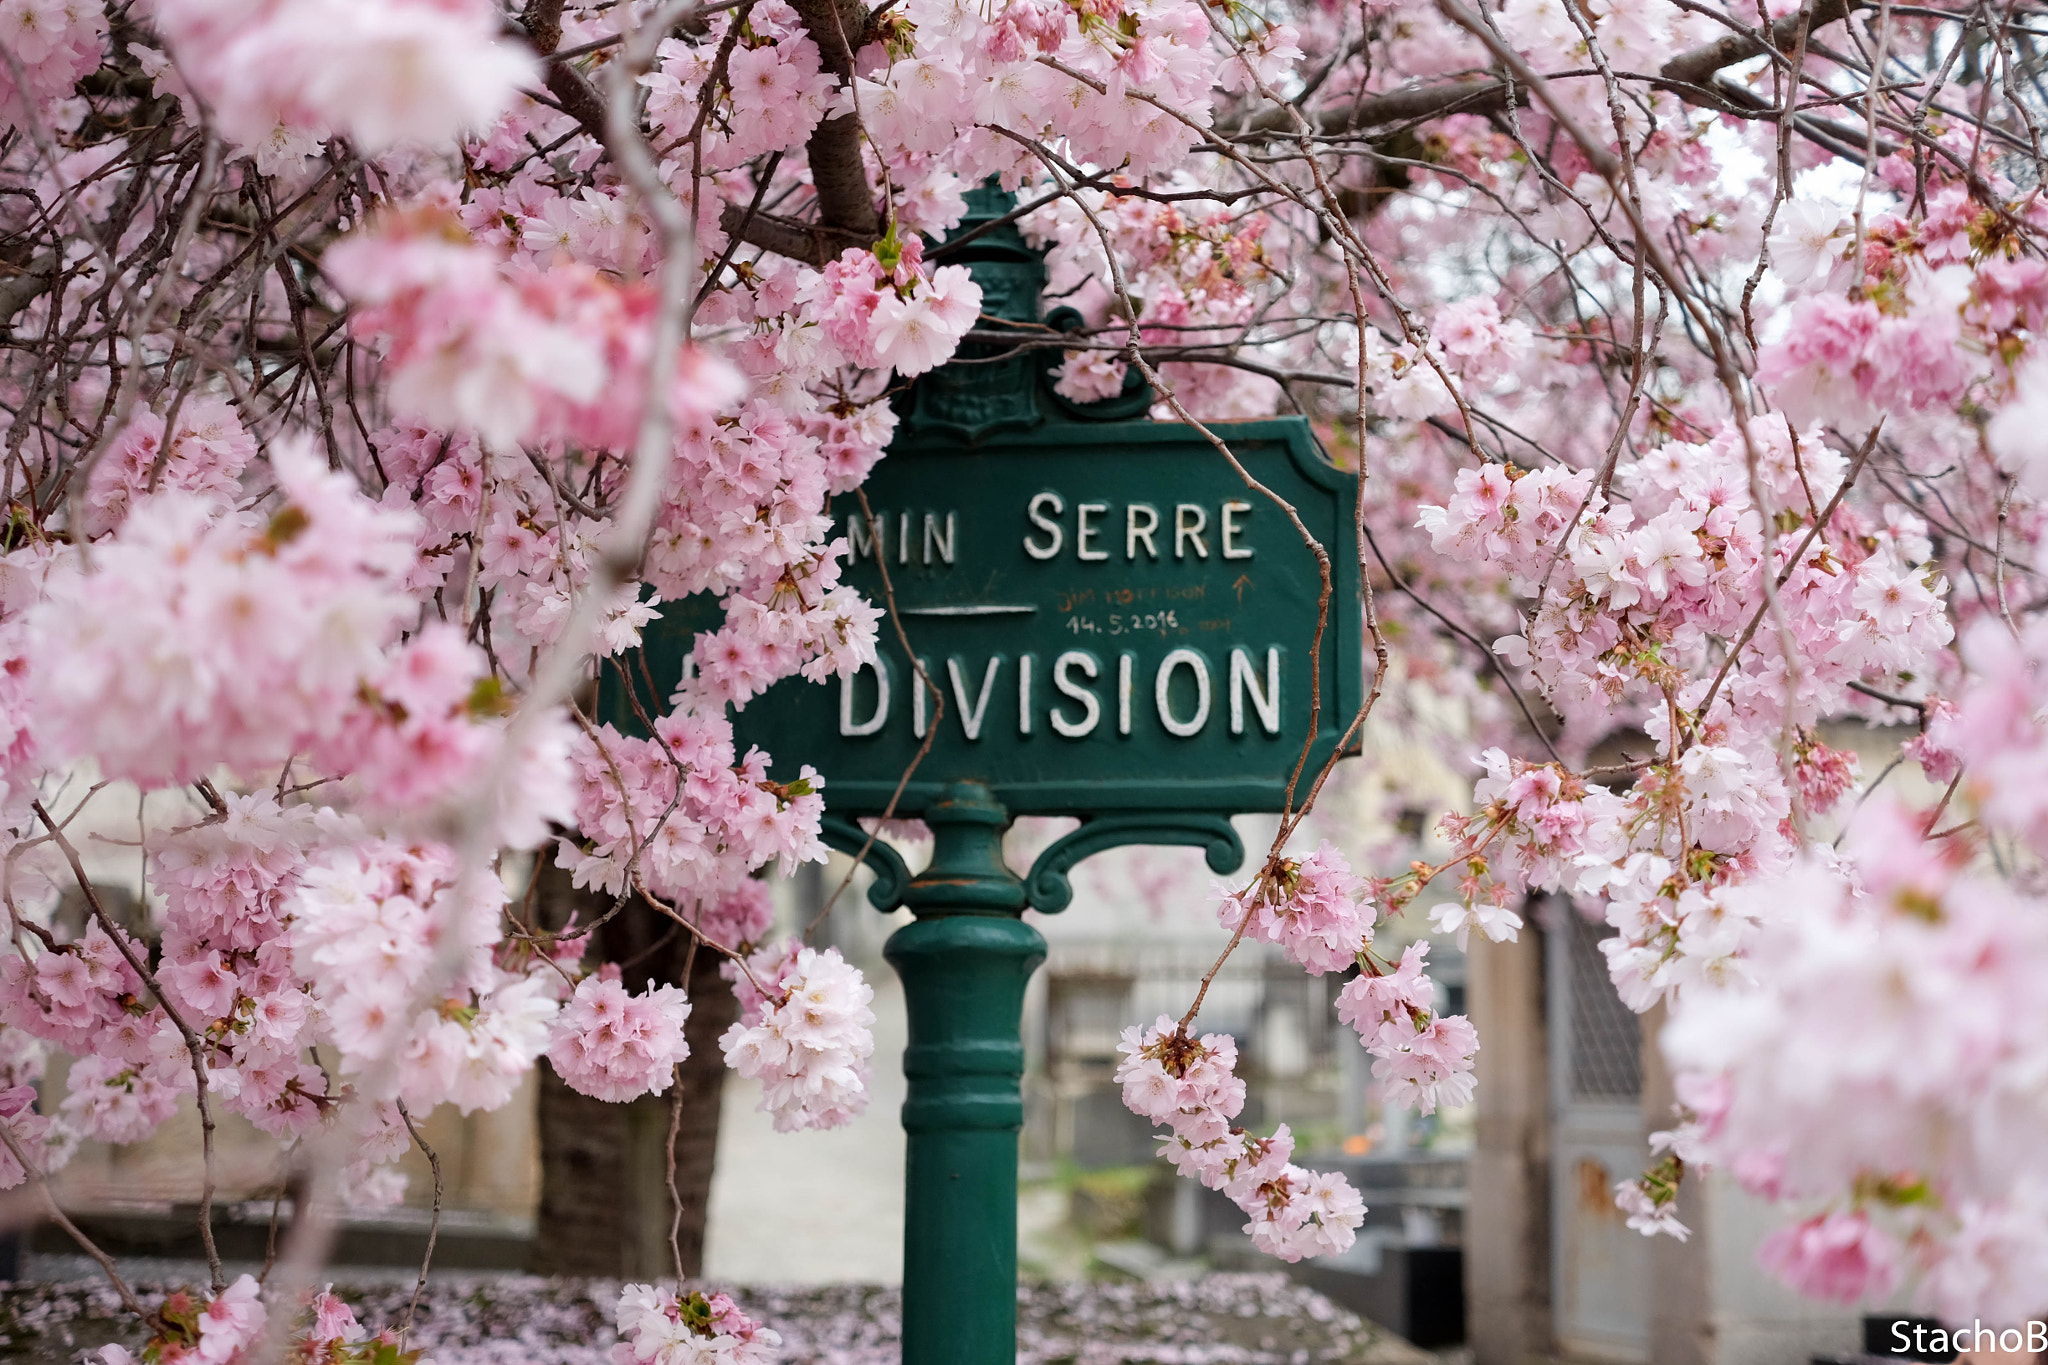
<point x="1424" y="1058"/>
<point x="131" y="644"/>
<point x="1126" y="65"/>
<point x="661" y="1327"/>
<point x="481" y="343"/>
<point x="614" y="1045"/>
<point x="205" y="456"/>
<point x="1321" y="916"/>
<point x="1933" y="1190"/>
<point x="76" y="994"/>
<point x="227" y="889"/>
<point x="227" y="1327"/>
<point x="773" y="95"/>
<point x="222" y="1331"/>
<point x="1642" y="600"/>
<point x="1317" y="910"/>
<point x="1894" y="1200"/>
<point x="1197" y="270"/>
<point x="55" y="45"/>
<point x="1192" y="1086"/>
<point x="375" y="927"/>
<point x="29" y="1129"/>
<point x="281" y="79"/>
<point x="806" y="1034"/>
<point x="677" y="815"/>
<point x="894" y="318"/>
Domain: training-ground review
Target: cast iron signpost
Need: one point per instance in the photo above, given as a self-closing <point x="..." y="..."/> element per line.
<point x="1121" y="631"/>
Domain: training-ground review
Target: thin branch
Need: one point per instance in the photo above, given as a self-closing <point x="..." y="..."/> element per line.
<point x="434" y="1223"/>
<point x="675" y="1195"/>
<point x="195" y="1049"/>
<point x="71" y="1229"/>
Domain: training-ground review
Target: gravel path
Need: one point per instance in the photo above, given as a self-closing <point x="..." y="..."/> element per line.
<point x="521" y="1320"/>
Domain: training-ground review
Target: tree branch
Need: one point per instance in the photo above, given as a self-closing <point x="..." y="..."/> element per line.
<point x="812" y="243"/>
<point x="578" y="98"/>
<point x="1479" y="95"/>
<point x="1694" y="67"/>
<point x="845" y="202"/>
<point x="845" y="199"/>
<point x="28" y="286"/>
<point x="1482" y="96"/>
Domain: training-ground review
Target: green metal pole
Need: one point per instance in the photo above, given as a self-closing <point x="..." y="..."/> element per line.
<point x="964" y="964"/>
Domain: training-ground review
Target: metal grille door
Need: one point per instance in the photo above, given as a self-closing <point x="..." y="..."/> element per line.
<point x="1600" y="1275"/>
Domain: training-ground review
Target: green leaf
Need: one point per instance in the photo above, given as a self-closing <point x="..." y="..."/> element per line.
<point x="488" y="698"/>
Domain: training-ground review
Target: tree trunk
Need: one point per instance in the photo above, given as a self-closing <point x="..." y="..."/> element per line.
<point x="604" y="1200"/>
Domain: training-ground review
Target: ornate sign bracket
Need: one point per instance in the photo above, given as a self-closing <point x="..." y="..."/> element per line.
<point x="1046" y="886"/>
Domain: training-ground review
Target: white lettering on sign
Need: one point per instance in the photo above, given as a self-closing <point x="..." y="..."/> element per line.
<point x="1063" y="679"/>
<point x="1265" y="700"/>
<point x="1143" y="530"/>
<point x="1231" y="531"/>
<point x="858" y="541"/>
<point x="936" y="546"/>
<point x="847" y="724"/>
<point x="1080" y="709"/>
<point x="1084" y="534"/>
<point x="1080" y="705"/>
<point x="1162" y="685"/>
<point x="944" y="543"/>
<point x="1141" y="519"/>
<point x="1188" y="521"/>
<point x="972" y="716"/>
<point x="1037" y="512"/>
<point x="934" y="537"/>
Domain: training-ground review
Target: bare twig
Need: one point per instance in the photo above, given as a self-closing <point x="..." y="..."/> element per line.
<point x="434" y="1223"/>
<point x="195" y="1049"/>
<point x="71" y="1229"/>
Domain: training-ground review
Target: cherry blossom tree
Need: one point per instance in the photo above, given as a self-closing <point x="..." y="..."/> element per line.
<point x="373" y="372"/>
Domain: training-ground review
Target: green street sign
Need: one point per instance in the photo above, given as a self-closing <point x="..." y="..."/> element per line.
<point x="1119" y="628"/>
<point x="1113" y="620"/>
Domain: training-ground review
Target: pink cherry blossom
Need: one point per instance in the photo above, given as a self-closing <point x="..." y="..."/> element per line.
<point x="1191" y="1086"/>
<point x="655" y="1327"/>
<point x="1840" y="1257"/>
<point x="612" y="1045"/>
<point x="809" y="1043"/>
<point x="1316" y="910"/>
<point x="331" y="431"/>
